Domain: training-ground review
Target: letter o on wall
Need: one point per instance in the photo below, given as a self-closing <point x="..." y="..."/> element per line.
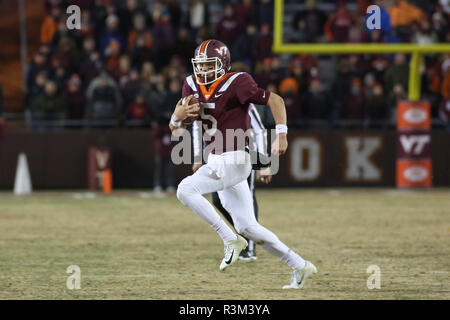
<point x="310" y="170"/>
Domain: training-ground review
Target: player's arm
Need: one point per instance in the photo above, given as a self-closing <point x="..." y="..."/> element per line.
<point x="276" y="104"/>
<point x="182" y="111"/>
<point x="248" y="91"/>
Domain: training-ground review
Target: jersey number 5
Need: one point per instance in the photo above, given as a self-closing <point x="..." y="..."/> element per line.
<point x="212" y="130"/>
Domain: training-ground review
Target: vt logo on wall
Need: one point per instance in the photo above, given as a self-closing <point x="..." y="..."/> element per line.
<point x="413" y="144"/>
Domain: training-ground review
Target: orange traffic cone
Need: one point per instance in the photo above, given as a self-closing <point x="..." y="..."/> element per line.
<point x="107" y="181"/>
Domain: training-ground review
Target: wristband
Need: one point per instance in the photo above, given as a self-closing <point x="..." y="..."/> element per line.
<point x="175" y="121"/>
<point x="281" y="128"/>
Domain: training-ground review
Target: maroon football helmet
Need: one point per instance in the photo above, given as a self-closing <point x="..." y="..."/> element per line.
<point x="211" y="61"/>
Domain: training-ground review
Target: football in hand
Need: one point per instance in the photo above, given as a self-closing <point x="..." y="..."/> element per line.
<point x="190" y="120"/>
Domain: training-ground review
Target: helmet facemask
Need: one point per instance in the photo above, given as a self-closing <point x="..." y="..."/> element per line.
<point x="208" y="76"/>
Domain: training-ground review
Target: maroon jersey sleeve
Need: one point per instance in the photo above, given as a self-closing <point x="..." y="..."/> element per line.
<point x="247" y="91"/>
<point x="187" y="90"/>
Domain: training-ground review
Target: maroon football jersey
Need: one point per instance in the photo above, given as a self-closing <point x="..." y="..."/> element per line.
<point x="225" y="106"/>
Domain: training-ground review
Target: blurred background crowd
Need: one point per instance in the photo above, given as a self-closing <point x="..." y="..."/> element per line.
<point x="126" y="65"/>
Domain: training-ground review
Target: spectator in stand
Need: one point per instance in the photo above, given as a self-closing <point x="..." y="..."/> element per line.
<point x="127" y="15"/>
<point x="440" y="23"/>
<point x="309" y="63"/>
<point x="139" y="31"/>
<point x="308" y="23"/>
<point x="316" y="102"/>
<point x="263" y="43"/>
<point x="444" y="111"/>
<point x="302" y="68"/>
<point x="343" y="80"/>
<point x="132" y="86"/>
<point x="245" y="11"/>
<point x="147" y="72"/>
<point x="353" y="102"/>
<point x="243" y="49"/>
<point x="60" y="77"/>
<point x="112" y="57"/>
<point x="229" y="27"/>
<point x="139" y="112"/>
<point x="75" y="99"/>
<point x="376" y="106"/>
<point x="337" y="27"/>
<point x="163" y="35"/>
<point x="50" y="25"/>
<point x="90" y="68"/>
<point x="404" y="14"/>
<point x="289" y="92"/>
<point x="264" y="12"/>
<point x="37" y="88"/>
<point x="122" y="75"/>
<point x="87" y="25"/>
<point x="397" y="74"/>
<point x="104" y="99"/>
<point x="197" y="16"/>
<point x="49" y="105"/>
<point x="155" y="95"/>
<point x="425" y="33"/>
<point x="263" y="73"/>
<point x="268" y="71"/>
<point x="111" y="35"/>
<point x="89" y="47"/>
<point x="98" y="17"/>
<point x="141" y="53"/>
<point x="175" y="12"/>
<point x="397" y="94"/>
<point x="431" y="84"/>
<point x="164" y="167"/>
<point x="184" y="46"/>
<point x="38" y="64"/>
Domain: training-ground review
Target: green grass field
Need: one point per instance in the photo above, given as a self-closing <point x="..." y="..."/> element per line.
<point x="133" y="247"/>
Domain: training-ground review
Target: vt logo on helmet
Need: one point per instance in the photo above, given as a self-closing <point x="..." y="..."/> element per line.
<point x="211" y="61"/>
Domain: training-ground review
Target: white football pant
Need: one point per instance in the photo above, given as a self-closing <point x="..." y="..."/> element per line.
<point x="227" y="174"/>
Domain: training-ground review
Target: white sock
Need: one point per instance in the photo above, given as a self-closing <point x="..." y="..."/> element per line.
<point x="293" y="260"/>
<point x="270" y="242"/>
<point x="224" y="231"/>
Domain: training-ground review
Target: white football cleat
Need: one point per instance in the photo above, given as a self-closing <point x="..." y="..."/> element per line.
<point x="232" y="250"/>
<point x="299" y="276"/>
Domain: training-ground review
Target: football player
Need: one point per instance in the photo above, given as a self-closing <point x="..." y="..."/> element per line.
<point x="259" y="144"/>
<point x="225" y="97"/>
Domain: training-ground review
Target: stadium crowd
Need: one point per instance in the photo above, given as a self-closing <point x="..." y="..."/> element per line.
<point x="126" y="64"/>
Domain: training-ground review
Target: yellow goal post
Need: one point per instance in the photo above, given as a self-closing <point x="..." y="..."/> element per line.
<point x="415" y="50"/>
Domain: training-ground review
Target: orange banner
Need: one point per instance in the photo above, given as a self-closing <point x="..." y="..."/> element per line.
<point x="413" y="115"/>
<point x="414" y="173"/>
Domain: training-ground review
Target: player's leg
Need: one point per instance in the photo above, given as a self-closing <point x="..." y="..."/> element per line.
<point x="190" y="192"/>
<point x="220" y="172"/>
<point x="245" y="254"/>
<point x="250" y="252"/>
<point x="238" y="201"/>
<point x="216" y="202"/>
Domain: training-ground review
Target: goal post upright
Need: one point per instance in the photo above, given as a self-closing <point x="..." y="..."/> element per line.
<point x="416" y="50"/>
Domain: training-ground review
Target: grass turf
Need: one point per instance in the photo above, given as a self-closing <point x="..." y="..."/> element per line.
<point x="133" y="246"/>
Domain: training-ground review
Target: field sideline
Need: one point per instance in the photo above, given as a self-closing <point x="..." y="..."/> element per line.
<point x="132" y="246"/>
